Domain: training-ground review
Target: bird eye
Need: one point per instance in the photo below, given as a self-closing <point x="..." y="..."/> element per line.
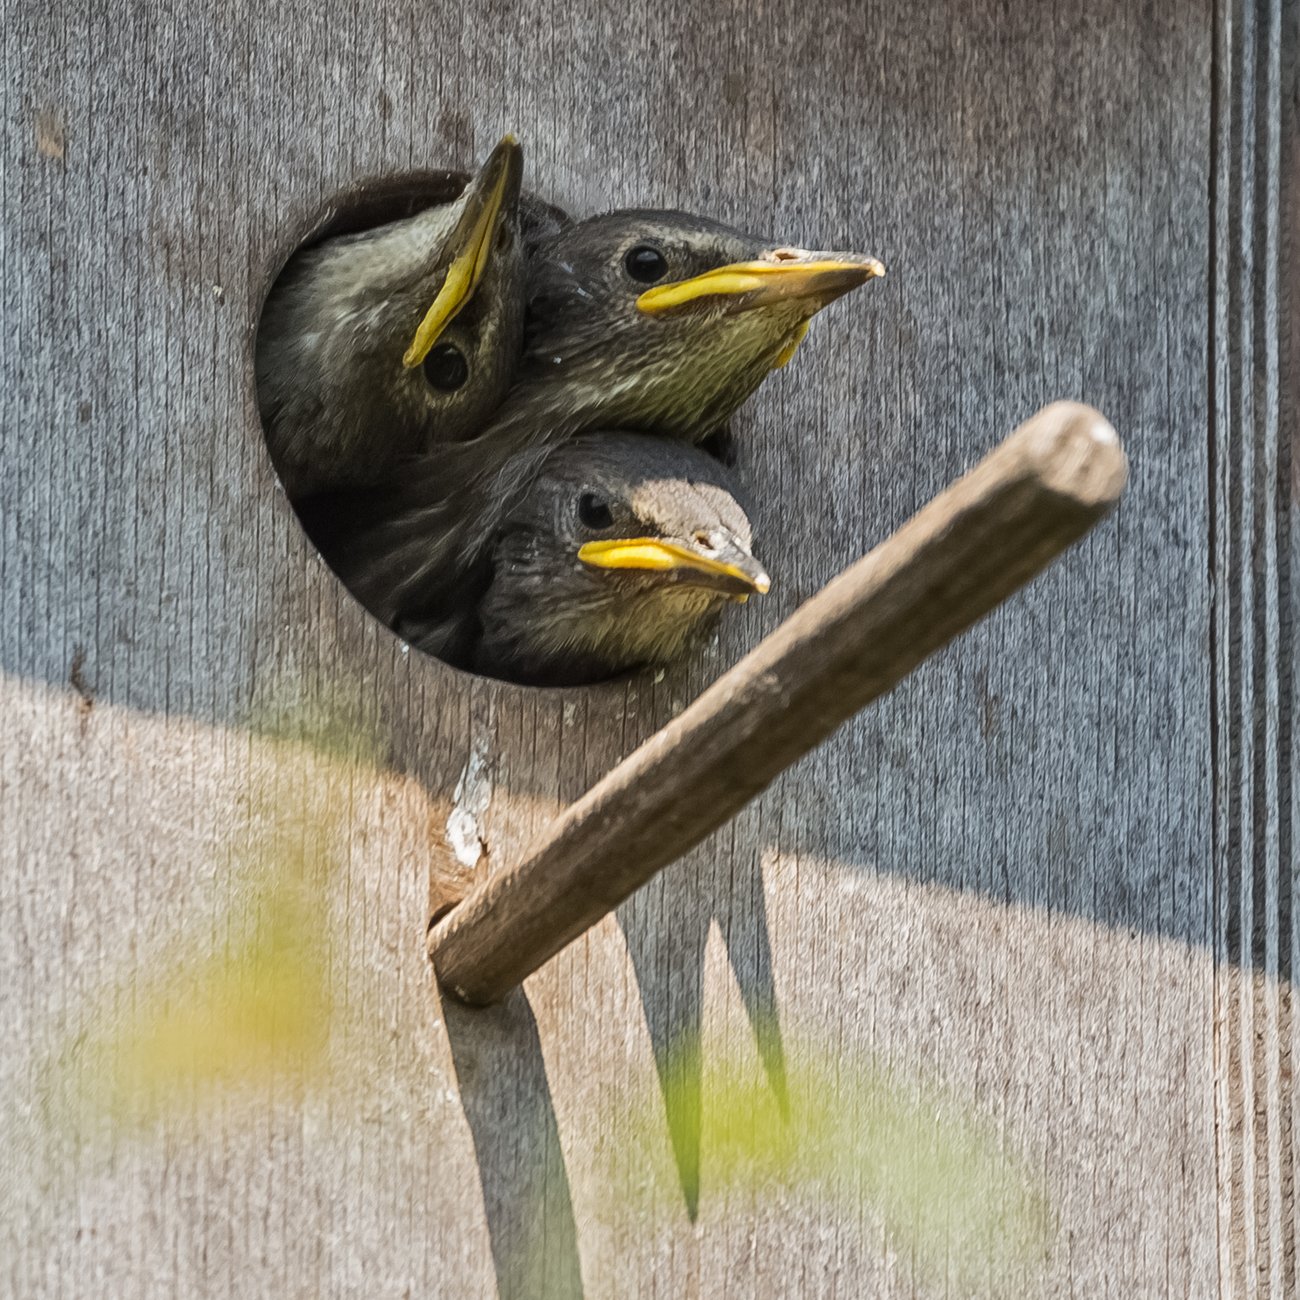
<point x="646" y="264"/>
<point x="593" y="512"/>
<point x="446" y="368"/>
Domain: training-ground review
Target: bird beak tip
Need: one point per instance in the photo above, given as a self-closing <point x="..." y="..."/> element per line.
<point x="658" y="554"/>
<point x="490" y="196"/>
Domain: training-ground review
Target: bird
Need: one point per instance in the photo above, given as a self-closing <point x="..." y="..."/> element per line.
<point x="653" y="321"/>
<point x="641" y="320"/>
<point x="649" y="321"/>
<point x="622" y="554"/>
<point x="376" y="343"/>
<point x="663" y="321"/>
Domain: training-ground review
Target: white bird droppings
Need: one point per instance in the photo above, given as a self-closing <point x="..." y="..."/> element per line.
<point x="469" y="803"/>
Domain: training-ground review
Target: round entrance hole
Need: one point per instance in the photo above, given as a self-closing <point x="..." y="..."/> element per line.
<point x="397" y="356"/>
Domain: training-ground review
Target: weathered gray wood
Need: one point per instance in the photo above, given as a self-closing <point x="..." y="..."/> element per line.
<point x="1256" y="568"/>
<point x="946" y="568"/>
<point x="1010" y="879"/>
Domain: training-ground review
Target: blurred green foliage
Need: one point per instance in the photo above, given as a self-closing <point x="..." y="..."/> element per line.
<point x="260" y="1008"/>
<point x="858" y="1141"/>
<point x="244" y="997"/>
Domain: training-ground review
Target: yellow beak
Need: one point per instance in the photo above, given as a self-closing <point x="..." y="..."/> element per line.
<point x="783" y="274"/>
<point x="490" y="194"/>
<point x="656" y="554"/>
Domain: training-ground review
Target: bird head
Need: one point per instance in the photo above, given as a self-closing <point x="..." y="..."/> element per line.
<point x="668" y="321"/>
<point x="623" y="550"/>
<point x="375" y="344"/>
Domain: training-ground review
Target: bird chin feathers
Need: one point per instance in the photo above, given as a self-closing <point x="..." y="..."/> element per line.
<point x="572" y="383"/>
<point x="595" y="639"/>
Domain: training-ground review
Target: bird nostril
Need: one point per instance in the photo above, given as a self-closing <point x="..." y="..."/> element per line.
<point x="787" y="254"/>
<point x="706" y="541"/>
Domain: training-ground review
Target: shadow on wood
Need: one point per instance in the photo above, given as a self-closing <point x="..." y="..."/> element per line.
<point x="667" y="931"/>
<point x="526" y="1197"/>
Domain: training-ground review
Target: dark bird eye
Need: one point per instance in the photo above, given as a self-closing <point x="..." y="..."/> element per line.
<point x="446" y="368"/>
<point x="646" y="264"/>
<point x="593" y="512"/>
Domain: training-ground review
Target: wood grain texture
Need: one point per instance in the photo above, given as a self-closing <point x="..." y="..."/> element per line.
<point x="1256" y="530"/>
<point x="958" y="558"/>
<point x="1013" y="880"/>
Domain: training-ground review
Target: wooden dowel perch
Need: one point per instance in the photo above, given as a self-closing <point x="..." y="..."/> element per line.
<point x="965" y="552"/>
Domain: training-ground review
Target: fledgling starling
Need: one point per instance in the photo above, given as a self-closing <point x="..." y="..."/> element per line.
<point x="378" y="343"/>
<point x="664" y="321"/>
<point x="622" y="554"/>
<point x="658" y="322"/>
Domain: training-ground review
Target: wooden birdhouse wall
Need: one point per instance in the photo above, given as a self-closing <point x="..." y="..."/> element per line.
<point x="1024" y="930"/>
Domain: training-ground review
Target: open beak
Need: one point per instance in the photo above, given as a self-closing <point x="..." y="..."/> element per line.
<point x="491" y="195"/>
<point x="728" y="568"/>
<point x="782" y="275"/>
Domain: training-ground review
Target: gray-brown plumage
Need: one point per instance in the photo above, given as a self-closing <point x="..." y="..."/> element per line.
<point x="664" y="321"/>
<point x="376" y="344"/>
<point x="654" y="321"/>
<point x="623" y="553"/>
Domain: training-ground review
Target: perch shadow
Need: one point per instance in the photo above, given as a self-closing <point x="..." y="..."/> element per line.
<point x="526" y="1198"/>
<point x="666" y="928"/>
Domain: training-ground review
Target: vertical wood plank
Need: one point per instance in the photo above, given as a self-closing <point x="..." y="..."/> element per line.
<point x="1257" y="533"/>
